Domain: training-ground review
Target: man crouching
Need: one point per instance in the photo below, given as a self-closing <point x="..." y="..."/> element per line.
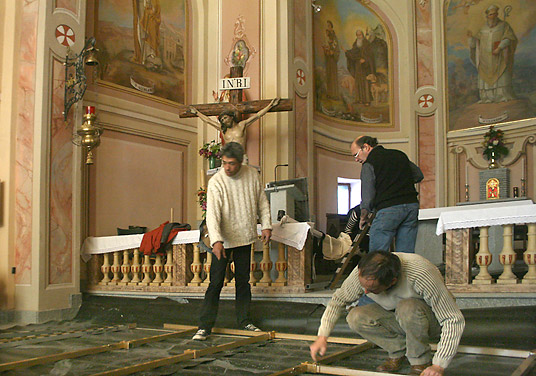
<point x="411" y="306"/>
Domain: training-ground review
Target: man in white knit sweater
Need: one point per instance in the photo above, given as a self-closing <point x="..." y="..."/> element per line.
<point x="235" y="202"/>
<point x="411" y="306"/>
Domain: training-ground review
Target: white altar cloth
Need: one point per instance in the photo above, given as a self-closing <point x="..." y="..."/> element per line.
<point x="291" y="234"/>
<point x="486" y="217"/>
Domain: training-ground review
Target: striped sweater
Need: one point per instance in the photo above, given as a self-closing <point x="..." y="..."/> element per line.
<point x="419" y="279"/>
<point x="234" y="203"/>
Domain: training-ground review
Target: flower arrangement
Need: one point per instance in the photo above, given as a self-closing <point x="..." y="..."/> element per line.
<point x="211" y="149"/>
<point x="202" y="199"/>
<point x="494" y="146"/>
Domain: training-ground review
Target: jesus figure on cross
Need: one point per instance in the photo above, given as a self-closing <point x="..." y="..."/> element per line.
<point x="232" y="129"/>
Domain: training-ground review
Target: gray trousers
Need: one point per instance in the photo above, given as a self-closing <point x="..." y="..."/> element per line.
<point x="405" y="331"/>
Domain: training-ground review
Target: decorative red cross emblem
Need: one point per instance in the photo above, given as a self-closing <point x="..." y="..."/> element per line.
<point x="300" y="76"/>
<point x="65" y="35"/>
<point x="426" y="100"/>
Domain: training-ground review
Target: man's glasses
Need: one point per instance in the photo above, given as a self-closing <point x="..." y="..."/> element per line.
<point x="357" y="154"/>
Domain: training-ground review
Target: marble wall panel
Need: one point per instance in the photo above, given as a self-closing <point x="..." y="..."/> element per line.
<point x="427" y="154"/>
<point x="425" y="53"/>
<point x="61" y="186"/>
<point x="25" y="143"/>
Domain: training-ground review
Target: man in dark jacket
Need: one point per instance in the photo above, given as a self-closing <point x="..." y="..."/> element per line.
<point x="387" y="188"/>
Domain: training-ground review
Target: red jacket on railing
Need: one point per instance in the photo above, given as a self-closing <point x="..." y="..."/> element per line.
<point x="157" y="240"/>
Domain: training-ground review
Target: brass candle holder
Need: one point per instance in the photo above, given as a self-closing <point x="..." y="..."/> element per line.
<point x="88" y="134"/>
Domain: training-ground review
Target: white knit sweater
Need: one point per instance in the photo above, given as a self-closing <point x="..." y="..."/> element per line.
<point x="234" y="204"/>
<point x="419" y="279"/>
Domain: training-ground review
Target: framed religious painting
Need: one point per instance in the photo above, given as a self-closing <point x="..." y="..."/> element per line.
<point x="352" y="64"/>
<point x="142" y="47"/>
<point x="491" y="60"/>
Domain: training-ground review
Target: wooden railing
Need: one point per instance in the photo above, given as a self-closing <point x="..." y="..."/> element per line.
<point x="185" y="269"/>
<point x="459" y="260"/>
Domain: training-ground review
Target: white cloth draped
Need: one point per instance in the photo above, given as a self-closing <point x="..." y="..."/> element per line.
<point x="451" y="220"/>
<point x="291" y="234"/>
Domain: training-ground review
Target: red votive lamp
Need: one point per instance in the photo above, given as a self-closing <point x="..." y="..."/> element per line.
<point x="90" y="110"/>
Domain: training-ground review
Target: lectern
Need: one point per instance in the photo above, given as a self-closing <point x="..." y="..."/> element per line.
<point x="290" y="196"/>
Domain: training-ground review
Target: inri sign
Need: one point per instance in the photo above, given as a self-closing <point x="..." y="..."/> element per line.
<point x="235" y="83"/>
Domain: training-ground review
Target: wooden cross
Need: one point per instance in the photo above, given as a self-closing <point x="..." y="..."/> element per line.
<point x="249" y="107"/>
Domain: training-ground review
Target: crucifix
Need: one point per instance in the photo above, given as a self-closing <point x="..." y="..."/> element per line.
<point x="229" y="114"/>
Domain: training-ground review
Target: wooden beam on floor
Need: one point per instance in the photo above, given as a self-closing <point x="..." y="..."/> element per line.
<point x="88" y="351"/>
<point x="46" y="337"/>
<point x="298" y="337"/>
<point x="187" y="355"/>
<point x="527" y="365"/>
<point x="305" y="367"/>
<point x="342" y="371"/>
<point x="491" y="351"/>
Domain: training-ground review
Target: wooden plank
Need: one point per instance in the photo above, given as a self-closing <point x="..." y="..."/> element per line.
<point x="298" y="337"/>
<point x="525" y="367"/>
<point x="214" y="109"/>
<point x="296" y="370"/>
<point x="56" y="357"/>
<point x="46" y="337"/>
<point x="88" y="351"/>
<point x="187" y="355"/>
<point x="342" y="371"/>
<point x="346" y="353"/>
<point x="490" y="351"/>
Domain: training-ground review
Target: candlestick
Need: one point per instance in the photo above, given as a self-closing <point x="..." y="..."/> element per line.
<point x="466" y="173"/>
<point x="523" y="168"/>
<point x="523" y="188"/>
<point x="90" y="110"/>
<point x="171" y="216"/>
<point x="467" y="192"/>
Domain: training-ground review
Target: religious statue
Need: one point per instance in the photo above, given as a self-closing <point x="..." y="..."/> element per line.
<point x="492" y="51"/>
<point x="228" y="123"/>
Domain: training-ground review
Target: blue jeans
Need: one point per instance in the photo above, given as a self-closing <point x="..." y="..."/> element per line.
<point x="399" y="222"/>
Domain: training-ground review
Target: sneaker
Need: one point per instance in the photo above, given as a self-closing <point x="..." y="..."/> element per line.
<point x="252" y="328"/>
<point x="200" y="335"/>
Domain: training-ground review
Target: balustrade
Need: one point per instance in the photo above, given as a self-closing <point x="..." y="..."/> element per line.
<point x="458" y="263"/>
<point x="183" y="269"/>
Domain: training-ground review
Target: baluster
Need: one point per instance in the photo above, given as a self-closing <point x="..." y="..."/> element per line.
<point x="252" y="266"/>
<point x="116" y="268"/>
<point x="125" y="269"/>
<point x="529" y="256"/>
<point x="196" y="267"/>
<point x="226" y="279"/>
<point x="266" y="266"/>
<point x="206" y="268"/>
<point x="158" y="268"/>
<point x="507" y="257"/>
<point x="483" y="259"/>
<point x="146" y="269"/>
<point x="105" y="268"/>
<point x="281" y="266"/>
<point x="135" y="268"/>
<point x="232" y="279"/>
<point x="168" y="268"/>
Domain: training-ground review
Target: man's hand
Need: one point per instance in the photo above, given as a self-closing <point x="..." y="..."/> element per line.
<point x="266" y="235"/>
<point x="433" y="370"/>
<point x="319" y="347"/>
<point x="364" y="218"/>
<point x="275" y="102"/>
<point x="218" y="250"/>
<point x="192" y="110"/>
